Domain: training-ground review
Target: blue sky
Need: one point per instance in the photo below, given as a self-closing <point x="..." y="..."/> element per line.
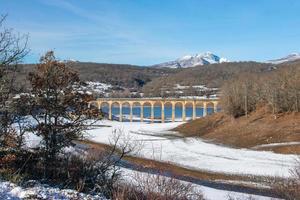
<point x="146" y="32"/>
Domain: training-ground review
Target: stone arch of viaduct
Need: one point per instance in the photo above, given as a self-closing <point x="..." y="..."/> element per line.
<point x="154" y="101"/>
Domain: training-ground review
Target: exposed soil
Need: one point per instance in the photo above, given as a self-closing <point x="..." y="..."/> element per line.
<point x="258" y="128"/>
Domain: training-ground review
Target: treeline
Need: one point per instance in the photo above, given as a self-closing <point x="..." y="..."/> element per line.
<point x="279" y="90"/>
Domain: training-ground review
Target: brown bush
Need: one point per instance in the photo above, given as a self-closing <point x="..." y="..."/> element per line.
<point x="146" y="186"/>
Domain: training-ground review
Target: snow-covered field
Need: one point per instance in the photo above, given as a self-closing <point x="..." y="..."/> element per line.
<point x="157" y="143"/>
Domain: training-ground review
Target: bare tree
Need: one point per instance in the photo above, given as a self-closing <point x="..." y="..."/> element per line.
<point x="13" y="48"/>
<point x="278" y="90"/>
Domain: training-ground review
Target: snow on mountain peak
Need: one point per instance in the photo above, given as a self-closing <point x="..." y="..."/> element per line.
<point x="187" y="57"/>
<point x="289" y="58"/>
<point x="191" y="61"/>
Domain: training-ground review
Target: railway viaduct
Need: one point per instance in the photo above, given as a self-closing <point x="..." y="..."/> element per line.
<point x="162" y="102"/>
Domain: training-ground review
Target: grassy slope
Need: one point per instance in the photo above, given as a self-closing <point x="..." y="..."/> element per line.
<point x="259" y="128"/>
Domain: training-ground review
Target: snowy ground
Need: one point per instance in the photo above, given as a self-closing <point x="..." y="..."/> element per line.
<point x="13" y="192"/>
<point x="157" y="143"/>
<point x="277" y="145"/>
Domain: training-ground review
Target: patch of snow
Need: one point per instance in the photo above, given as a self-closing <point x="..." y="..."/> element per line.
<point x="289" y="58"/>
<point x="43" y="192"/>
<point x="276" y="145"/>
<point x="187" y="57"/>
<point x="93" y="87"/>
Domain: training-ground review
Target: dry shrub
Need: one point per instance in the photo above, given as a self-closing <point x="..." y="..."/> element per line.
<point x="90" y="174"/>
<point x="288" y="189"/>
<point x="145" y="186"/>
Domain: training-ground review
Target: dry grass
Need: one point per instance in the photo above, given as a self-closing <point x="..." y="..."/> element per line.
<point x="258" y="128"/>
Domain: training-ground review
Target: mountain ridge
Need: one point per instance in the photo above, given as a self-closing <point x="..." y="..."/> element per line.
<point x="192" y="61"/>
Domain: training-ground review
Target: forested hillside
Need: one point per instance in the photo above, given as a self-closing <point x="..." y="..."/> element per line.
<point x="127" y="76"/>
<point x="210" y="75"/>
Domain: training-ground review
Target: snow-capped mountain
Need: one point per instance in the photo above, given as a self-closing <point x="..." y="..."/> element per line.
<point x="191" y="61"/>
<point x="289" y="58"/>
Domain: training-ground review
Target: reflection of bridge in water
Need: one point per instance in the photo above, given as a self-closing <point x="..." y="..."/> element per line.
<point x="154" y="102"/>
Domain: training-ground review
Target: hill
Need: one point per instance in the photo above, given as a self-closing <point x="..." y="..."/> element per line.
<point x="259" y="111"/>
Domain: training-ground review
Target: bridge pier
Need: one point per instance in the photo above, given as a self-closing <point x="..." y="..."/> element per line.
<point x="194" y="111"/>
<point x="131" y="112"/>
<point x="152" y="112"/>
<point x="109" y="111"/>
<point x="204" y="109"/>
<point x="215" y="107"/>
<point x="162" y="113"/>
<point x="173" y="112"/>
<point x="120" y="114"/>
<point x="142" y="112"/>
<point x="183" y="113"/>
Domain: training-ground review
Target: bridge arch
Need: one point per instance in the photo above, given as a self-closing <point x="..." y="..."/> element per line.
<point x="189" y="109"/>
<point x="209" y="108"/>
<point x="116" y="110"/>
<point x="136" y="110"/>
<point x="104" y="107"/>
<point x="147" y="110"/>
<point x="169" y="110"/>
<point x="180" y="110"/>
<point x="157" y="110"/>
<point x="126" y="110"/>
<point x="94" y="104"/>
